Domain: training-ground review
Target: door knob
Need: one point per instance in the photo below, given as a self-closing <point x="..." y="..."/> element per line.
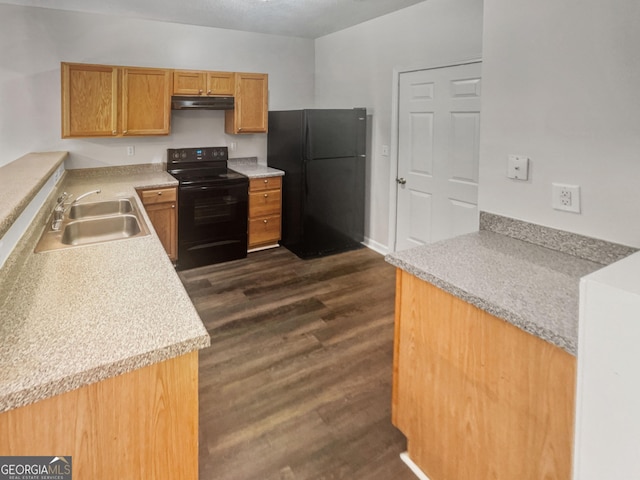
<point x="401" y="181"/>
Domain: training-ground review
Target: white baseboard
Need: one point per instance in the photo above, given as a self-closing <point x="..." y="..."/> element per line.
<point x="404" y="456"/>
<point x="375" y="246"/>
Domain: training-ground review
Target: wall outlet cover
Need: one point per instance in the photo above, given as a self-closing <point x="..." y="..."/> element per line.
<point x="565" y="197"/>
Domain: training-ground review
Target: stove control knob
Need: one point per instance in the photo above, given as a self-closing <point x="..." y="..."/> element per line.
<point x="183" y="155"/>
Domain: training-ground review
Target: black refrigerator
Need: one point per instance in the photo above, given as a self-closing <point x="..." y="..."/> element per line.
<point x="322" y="152"/>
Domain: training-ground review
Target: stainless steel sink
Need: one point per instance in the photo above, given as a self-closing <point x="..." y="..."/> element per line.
<point x="96" y="222"/>
<point x="100" y="229"/>
<point x="97" y="209"/>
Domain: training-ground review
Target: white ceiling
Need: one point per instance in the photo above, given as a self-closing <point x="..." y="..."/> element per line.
<point x="298" y="18"/>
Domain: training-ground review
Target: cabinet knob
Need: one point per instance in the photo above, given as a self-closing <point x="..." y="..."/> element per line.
<point x="125" y="132"/>
<point x="200" y="92"/>
<point x="265" y="221"/>
<point x="266" y="195"/>
<point x="159" y="193"/>
<point x="173" y="206"/>
<point x="208" y="92"/>
<point x="266" y="180"/>
<point x="115" y="132"/>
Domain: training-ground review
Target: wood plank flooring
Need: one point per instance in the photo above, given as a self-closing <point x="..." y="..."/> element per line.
<point x="297" y="382"/>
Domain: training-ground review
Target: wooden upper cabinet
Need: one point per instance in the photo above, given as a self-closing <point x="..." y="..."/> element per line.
<point x="146" y="101"/>
<point x="89" y="100"/>
<point x="104" y="100"/>
<point x="193" y="82"/>
<point x="220" y="83"/>
<point x="251" y="104"/>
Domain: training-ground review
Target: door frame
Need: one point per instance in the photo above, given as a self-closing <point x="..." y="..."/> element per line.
<point x="395" y="134"/>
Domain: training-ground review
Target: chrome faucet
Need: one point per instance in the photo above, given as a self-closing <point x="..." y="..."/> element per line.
<point x="60" y="208"/>
<point x="58" y="211"/>
<point x="85" y="195"/>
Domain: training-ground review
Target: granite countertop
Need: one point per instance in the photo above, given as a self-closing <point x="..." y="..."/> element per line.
<point x="80" y="315"/>
<point x="251" y="168"/>
<point x="531" y="286"/>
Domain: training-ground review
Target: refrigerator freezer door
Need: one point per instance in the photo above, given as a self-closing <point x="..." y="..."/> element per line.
<point x="334" y="133"/>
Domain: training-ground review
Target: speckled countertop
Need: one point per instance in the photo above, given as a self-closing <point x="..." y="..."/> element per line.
<point x="249" y="166"/>
<point x="531" y="286"/>
<point x="20" y="181"/>
<point x="77" y="316"/>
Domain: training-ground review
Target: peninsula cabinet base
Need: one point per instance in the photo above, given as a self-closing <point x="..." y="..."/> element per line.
<point x="139" y="425"/>
<point x="476" y="397"/>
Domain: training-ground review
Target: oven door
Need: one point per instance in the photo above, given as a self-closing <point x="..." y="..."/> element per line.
<point x="212" y="224"/>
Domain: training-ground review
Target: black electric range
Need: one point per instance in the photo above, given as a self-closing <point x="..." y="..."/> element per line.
<point x="212" y="206"/>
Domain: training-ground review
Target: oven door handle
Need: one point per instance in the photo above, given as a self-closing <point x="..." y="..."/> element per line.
<point x="191" y="188"/>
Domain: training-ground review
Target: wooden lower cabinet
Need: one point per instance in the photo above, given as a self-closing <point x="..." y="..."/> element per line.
<point x="265" y="209"/>
<point x="161" y="205"/>
<point x="141" y="424"/>
<point x="476" y="397"/>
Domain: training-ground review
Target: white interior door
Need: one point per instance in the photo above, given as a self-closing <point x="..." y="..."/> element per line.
<point x="438" y="150"/>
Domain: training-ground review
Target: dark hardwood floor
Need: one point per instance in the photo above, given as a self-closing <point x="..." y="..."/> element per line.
<point x="297" y="382"/>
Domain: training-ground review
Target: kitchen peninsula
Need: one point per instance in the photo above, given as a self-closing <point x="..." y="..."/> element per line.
<point x="99" y="343"/>
<point x="485" y="344"/>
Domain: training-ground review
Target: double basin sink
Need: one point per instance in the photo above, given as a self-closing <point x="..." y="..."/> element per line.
<point x="95" y="222"/>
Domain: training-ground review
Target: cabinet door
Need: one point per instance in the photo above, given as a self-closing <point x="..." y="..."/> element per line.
<point x="164" y="217"/>
<point x="220" y="83"/>
<point x="146" y="101"/>
<point x="188" y="82"/>
<point x="251" y="104"/>
<point x="89" y="100"/>
<point x="264" y="231"/>
<point x="161" y="207"/>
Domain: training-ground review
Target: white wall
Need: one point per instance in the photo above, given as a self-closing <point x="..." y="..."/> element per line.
<point x="35" y="40"/>
<point x="561" y="84"/>
<point x="354" y="67"/>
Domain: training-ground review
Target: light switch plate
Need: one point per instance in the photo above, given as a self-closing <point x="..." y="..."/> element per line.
<point x="518" y="167"/>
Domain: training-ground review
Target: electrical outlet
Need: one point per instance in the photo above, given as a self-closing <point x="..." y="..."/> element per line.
<point x="131" y="151"/>
<point x="565" y="197"/>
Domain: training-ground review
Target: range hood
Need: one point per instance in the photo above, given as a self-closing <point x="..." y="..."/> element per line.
<point x="201" y="103"/>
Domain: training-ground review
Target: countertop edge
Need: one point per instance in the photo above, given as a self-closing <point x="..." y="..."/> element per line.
<point x="18" y="203"/>
<point x="100" y="373"/>
<point x="254" y="170"/>
<point x="506" y="315"/>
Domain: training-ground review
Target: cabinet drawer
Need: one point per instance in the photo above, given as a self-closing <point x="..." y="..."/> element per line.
<point x="266" y="183"/>
<point x="265" y="203"/>
<point x="159" y="195"/>
<point x="264" y="230"/>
